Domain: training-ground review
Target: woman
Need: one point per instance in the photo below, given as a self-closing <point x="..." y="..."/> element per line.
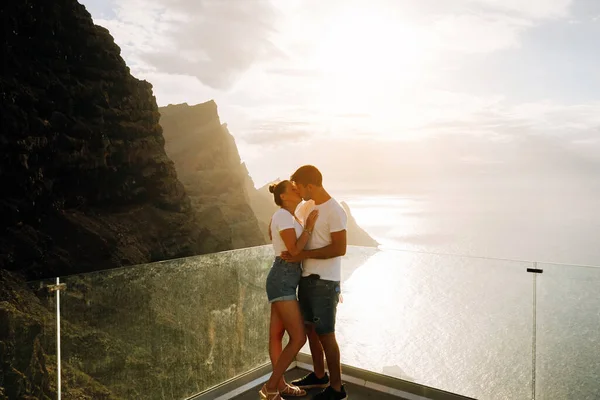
<point x="288" y="235"/>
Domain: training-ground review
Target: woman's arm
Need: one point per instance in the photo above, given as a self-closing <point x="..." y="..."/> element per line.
<point x="293" y="245"/>
<point x="337" y="248"/>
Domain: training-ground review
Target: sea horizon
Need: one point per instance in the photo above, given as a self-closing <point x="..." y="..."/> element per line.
<point x="553" y="230"/>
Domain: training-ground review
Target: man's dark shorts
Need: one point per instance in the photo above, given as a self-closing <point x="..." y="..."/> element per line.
<point x="318" y="302"/>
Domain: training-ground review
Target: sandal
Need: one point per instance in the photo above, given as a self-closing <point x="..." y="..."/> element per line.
<point x="266" y="395"/>
<point x="293" y="391"/>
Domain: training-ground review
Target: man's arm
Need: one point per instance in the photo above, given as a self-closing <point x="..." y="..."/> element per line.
<point x="337" y="248"/>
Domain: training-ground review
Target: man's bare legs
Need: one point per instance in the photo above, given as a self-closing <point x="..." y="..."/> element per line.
<point x="325" y="347"/>
<point x="332" y="354"/>
<point x="316" y="350"/>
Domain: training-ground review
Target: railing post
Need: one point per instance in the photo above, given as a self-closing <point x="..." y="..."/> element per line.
<point x="58" y="372"/>
<point x="535" y="271"/>
<point x="57" y="288"/>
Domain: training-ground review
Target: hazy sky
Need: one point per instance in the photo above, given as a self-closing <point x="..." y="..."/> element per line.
<point x="380" y="90"/>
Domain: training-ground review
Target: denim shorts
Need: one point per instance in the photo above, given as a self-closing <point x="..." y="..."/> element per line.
<point x="282" y="280"/>
<point x="318" y="302"/>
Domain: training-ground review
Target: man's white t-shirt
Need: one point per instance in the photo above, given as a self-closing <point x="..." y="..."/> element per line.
<point x="332" y="218"/>
<point x="282" y="220"/>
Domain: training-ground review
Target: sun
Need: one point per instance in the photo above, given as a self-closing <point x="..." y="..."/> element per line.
<point x="369" y="59"/>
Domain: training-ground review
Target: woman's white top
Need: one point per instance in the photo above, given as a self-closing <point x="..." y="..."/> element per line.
<point x="282" y="220"/>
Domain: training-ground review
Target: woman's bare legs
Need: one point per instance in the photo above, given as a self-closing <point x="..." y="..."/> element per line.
<point x="276" y="332"/>
<point x="286" y="314"/>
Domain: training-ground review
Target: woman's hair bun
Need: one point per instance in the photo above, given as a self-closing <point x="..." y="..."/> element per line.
<point x="272" y="187"/>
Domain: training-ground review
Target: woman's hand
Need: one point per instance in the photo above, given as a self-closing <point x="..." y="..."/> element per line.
<point x="312" y="220"/>
<point x="290" y="258"/>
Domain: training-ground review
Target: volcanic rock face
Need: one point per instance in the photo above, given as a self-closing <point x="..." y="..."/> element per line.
<point x="25" y="338"/>
<point x="208" y="163"/>
<point x="357" y="236"/>
<point x="86" y="183"/>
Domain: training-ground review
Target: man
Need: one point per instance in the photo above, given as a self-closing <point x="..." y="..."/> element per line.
<point x="319" y="288"/>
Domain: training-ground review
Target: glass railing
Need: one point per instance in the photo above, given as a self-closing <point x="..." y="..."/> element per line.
<point x="482" y="328"/>
<point x="29" y="341"/>
<point x="463" y="325"/>
<point x="568" y="333"/>
<point x="166" y="330"/>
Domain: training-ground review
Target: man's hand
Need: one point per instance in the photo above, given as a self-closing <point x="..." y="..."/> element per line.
<point x="290" y="258"/>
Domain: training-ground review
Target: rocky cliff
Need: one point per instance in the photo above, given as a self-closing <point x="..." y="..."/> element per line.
<point x="26" y="371"/>
<point x="357" y="236"/>
<point x="261" y="201"/>
<point x="208" y="163"/>
<point x="86" y="183"/>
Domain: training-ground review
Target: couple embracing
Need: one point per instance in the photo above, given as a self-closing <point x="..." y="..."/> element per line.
<point x="309" y="240"/>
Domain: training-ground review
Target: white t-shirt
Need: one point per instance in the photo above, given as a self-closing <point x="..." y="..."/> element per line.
<point x="332" y="218"/>
<point x="282" y="220"/>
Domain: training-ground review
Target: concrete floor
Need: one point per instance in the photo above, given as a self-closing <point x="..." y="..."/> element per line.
<point x="355" y="392"/>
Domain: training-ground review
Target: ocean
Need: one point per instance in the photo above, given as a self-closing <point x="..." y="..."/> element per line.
<point x="447" y="302"/>
<point x="545" y="228"/>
